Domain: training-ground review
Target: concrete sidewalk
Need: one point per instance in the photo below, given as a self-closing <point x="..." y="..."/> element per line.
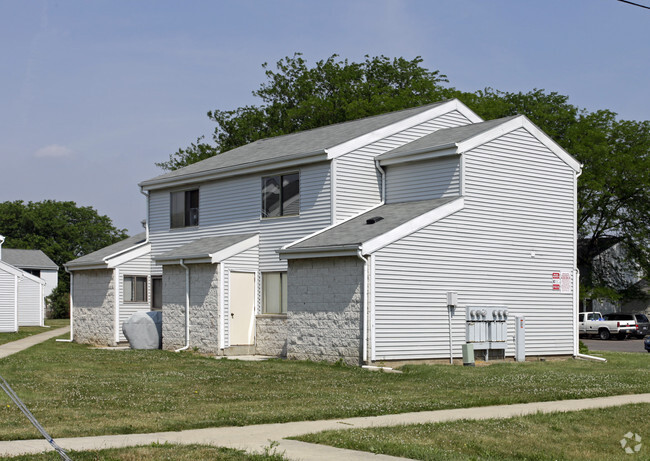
<point x="24" y="343"/>
<point x="257" y="437"/>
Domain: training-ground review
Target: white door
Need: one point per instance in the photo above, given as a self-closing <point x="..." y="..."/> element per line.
<point x="242" y="308"/>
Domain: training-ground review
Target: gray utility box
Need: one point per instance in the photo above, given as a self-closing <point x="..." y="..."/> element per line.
<point x="487" y="327"/>
<point x="144" y="330"/>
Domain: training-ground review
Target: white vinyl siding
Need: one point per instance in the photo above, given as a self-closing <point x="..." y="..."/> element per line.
<point x="8" y="321"/>
<point x="358" y="183"/>
<point x="140" y="267"/>
<point x="234" y="206"/>
<point x="423" y="180"/>
<point x="30" y="303"/>
<point x="51" y="278"/>
<point x="246" y="261"/>
<point x="519" y="198"/>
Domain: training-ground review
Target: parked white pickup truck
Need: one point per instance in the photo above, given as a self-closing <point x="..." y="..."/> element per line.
<point x="593" y="323"/>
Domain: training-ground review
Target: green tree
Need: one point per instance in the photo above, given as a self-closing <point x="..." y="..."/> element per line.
<point x="613" y="189"/>
<point x="297" y="97"/>
<point x="62" y="230"/>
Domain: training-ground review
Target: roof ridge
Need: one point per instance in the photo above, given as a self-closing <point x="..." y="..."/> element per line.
<point x="368" y="117"/>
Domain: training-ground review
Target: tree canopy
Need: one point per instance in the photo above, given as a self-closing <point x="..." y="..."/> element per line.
<point x="62" y="230"/>
<point x="613" y="192"/>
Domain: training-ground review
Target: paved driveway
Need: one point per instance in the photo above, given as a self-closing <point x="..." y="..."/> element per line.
<point x="626" y="345"/>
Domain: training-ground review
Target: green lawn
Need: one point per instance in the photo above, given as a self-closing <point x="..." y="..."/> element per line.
<point x="23" y="332"/>
<point x="157" y="452"/>
<point x="582" y="435"/>
<point x="74" y="390"/>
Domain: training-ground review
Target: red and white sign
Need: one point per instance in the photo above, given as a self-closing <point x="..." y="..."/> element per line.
<point x="561" y="281"/>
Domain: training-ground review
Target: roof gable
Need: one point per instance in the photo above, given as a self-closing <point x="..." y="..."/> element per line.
<point x="461" y="139"/>
<point x="6" y="267"/>
<point x="210" y="249"/>
<point x="98" y="258"/>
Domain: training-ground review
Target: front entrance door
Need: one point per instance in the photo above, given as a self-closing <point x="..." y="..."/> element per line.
<point x="242" y="308"/>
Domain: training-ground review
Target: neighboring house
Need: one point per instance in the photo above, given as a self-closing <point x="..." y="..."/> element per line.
<point x="34" y="262"/>
<point x="612" y="265"/>
<point x="343" y="242"/>
<point x="21" y="299"/>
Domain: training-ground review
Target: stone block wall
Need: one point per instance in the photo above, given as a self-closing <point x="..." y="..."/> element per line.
<point x="271" y="335"/>
<point x="324" y="309"/>
<point x="94" y="307"/>
<point x="204" y="307"/>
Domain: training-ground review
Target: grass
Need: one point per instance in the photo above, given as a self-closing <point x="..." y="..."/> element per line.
<point x="76" y="391"/>
<point x="156" y="452"/>
<point x="24" y="332"/>
<point x="581" y="435"/>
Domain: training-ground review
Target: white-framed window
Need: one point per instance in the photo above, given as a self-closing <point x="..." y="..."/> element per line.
<point x="135" y="289"/>
<point x="281" y="195"/>
<point x="274" y="292"/>
<point x="184" y="208"/>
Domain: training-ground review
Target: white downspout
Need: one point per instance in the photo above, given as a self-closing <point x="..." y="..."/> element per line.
<point x="187" y="308"/>
<point x="146" y="228"/>
<point x="71" y="309"/>
<point x="116" y="319"/>
<point x="16" y="282"/>
<point x="576" y="280"/>
<point x="383" y="181"/>
<point x="364" y="330"/>
<point x="2" y="240"/>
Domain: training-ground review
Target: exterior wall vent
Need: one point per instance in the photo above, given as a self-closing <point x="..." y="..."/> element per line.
<point x="374" y="219"/>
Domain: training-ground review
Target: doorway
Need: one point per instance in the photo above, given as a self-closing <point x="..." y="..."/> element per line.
<point x="242" y="308"/>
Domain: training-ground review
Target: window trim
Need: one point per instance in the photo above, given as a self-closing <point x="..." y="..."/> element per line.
<point x="280" y="175"/>
<point x="171" y="211"/>
<point x="134" y="290"/>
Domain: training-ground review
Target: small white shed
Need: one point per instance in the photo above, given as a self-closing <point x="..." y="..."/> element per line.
<point x="21" y="299"/>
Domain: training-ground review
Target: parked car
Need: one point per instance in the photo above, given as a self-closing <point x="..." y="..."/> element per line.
<point x="593" y="323"/>
<point x="644" y="325"/>
<point x="625" y="323"/>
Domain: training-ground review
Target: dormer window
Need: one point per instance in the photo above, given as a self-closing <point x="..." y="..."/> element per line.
<point x="281" y="195"/>
<point x="185" y="208"/>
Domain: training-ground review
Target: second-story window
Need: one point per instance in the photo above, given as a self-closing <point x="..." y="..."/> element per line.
<point x="185" y="208"/>
<point x="281" y="195"/>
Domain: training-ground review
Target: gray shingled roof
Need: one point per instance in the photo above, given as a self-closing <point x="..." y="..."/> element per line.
<point x="27" y="259"/>
<point x="356" y="231"/>
<point x="444" y="137"/>
<point x="202" y="248"/>
<point x="97" y="257"/>
<point x="303" y="142"/>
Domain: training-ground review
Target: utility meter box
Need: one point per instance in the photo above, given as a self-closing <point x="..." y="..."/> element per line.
<point x="487" y="327"/>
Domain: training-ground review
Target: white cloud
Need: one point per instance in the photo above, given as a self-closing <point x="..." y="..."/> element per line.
<point x="53" y="151"/>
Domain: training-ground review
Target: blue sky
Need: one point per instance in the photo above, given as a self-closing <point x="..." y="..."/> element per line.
<point x="92" y="93"/>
